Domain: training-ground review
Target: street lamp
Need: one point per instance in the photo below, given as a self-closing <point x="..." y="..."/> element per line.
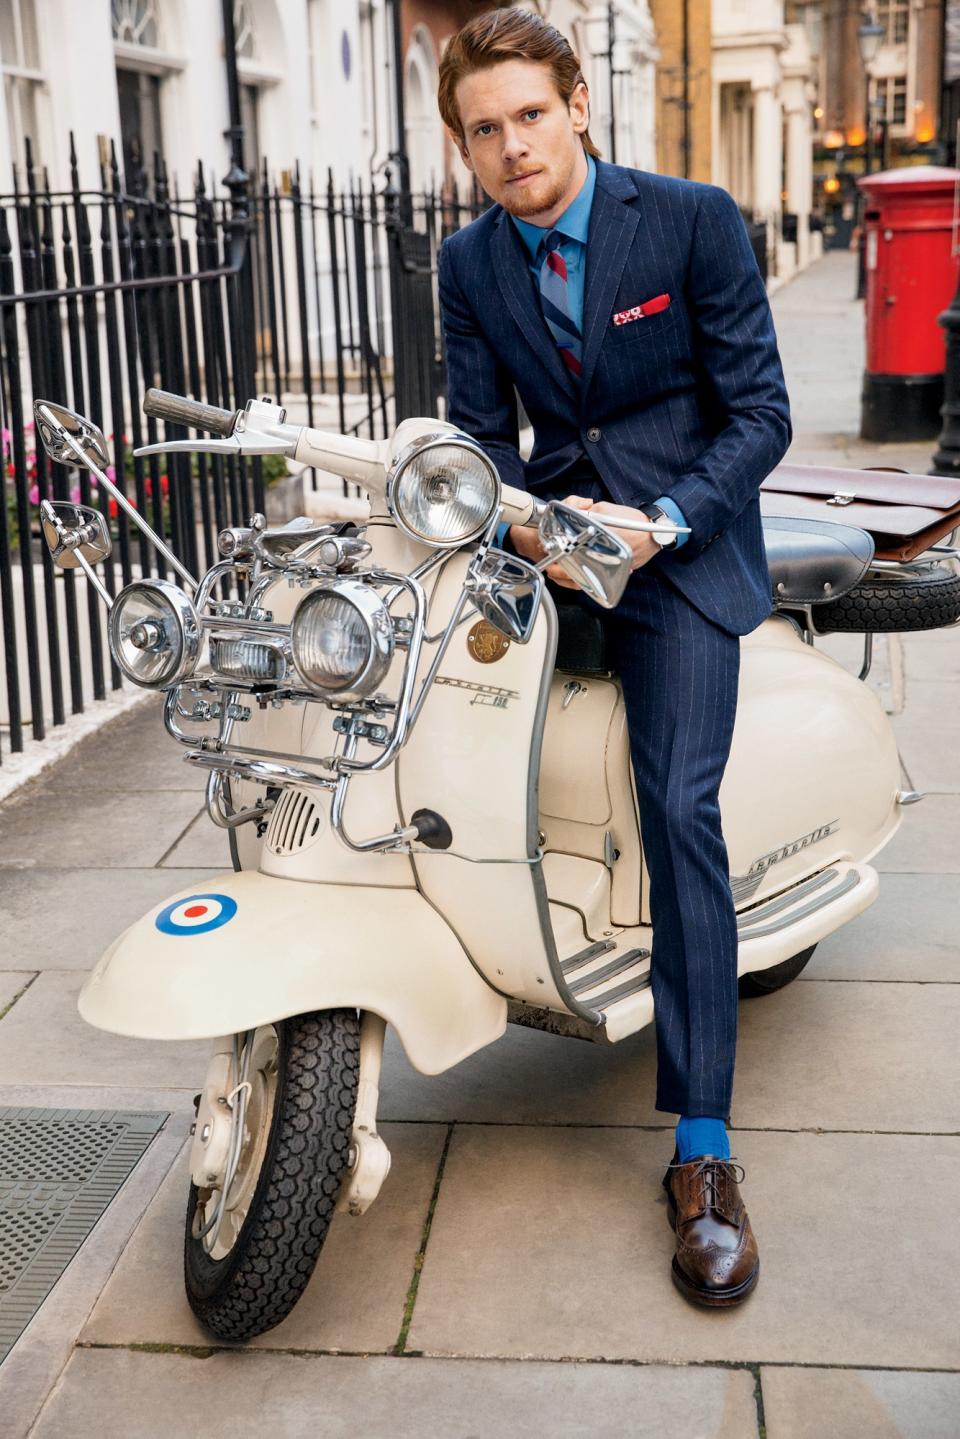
<point x="869" y="39"/>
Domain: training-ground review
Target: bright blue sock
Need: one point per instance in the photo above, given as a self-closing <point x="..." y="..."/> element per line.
<point x="697" y="1136"/>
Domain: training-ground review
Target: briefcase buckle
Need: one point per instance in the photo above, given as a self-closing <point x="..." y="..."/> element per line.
<point x="842" y="497"/>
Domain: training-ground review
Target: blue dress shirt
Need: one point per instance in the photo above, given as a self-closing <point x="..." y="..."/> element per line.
<point x="574" y="225"/>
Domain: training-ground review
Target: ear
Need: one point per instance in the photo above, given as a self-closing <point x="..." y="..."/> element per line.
<point x="579" y="107"/>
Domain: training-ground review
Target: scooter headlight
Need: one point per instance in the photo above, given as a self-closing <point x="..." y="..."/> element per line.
<point x="443" y="490"/>
<point x="342" y="641"/>
<point x="154" y="633"/>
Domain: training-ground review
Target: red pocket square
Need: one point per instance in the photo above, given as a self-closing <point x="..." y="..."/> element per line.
<point x="641" y="312"/>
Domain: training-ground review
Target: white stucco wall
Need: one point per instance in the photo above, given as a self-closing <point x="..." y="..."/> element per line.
<point x="763" y="87"/>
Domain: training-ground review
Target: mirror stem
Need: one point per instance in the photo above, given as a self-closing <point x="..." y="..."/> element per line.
<point x="94" y="579"/>
<point x="121" y="499"/>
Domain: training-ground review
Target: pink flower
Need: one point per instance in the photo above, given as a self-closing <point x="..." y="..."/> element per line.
<point x="33" y="495"/>
<point x="28" y="428"/>
<point x="110" y="472"/>
<point x="75" y="495"/>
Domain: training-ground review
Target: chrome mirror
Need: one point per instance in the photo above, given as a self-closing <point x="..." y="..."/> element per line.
<point x="56" y="422"/>
<point x="507" y="593"/>
<point x="588" y="552"/>
<point x="74" y="533"/>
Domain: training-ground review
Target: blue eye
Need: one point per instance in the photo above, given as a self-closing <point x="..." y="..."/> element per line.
<point x="533" y="112"/>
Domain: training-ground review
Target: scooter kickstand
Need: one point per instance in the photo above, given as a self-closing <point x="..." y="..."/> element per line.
<point x="369" y="1156"/>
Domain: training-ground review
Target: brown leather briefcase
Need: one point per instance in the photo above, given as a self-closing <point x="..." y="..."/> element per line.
<point x="904" y="513"/>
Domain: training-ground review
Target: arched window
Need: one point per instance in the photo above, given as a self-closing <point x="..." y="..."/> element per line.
<point x="424" y="128"/>
<point x="22" y="76"/>
<point x="258" y="32"/>
<point x="142" y="66"/>
<point x="135" y="22"/>
<point x="243" y="28"/>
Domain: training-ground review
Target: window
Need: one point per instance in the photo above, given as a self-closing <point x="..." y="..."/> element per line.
<point x="243" y="30"/>
<point x="135" y="22"/>
<point x="139" y="97"/>
<point x="22" y="76"/>
<point x="892" y="99"/>
<point x="140" y="70"/>
<point x="809" y="13"/>
<point x="894" y="16"/>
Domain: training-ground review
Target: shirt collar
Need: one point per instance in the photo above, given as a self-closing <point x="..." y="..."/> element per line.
<point x="575" y="220"/>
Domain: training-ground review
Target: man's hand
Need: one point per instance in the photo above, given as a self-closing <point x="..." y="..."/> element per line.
<point x="526" y="542"/>
<point x="641" y="542"/>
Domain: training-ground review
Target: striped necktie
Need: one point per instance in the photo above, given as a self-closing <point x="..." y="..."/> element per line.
<point x="555" y="299"/>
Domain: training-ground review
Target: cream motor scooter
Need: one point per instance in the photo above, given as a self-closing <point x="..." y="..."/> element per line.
<point x="432" y="816"/>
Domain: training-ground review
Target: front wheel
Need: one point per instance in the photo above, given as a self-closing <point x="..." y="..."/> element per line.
<point x="768" y="981"/>
<point x="248" y="1256"/>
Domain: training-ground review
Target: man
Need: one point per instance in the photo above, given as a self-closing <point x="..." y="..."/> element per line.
<point x="627" y="311"/>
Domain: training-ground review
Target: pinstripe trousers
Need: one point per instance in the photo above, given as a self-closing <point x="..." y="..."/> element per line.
<point x="680" y="674"/>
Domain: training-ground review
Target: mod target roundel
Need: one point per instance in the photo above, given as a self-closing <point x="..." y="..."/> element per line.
<point x="197" y="914"/>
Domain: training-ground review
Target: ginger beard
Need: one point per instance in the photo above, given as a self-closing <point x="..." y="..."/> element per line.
<point x="536" y="196"/>
<point x="522" y="139"/>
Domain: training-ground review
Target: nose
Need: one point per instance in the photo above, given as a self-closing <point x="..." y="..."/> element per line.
<point x="514" y="145"/>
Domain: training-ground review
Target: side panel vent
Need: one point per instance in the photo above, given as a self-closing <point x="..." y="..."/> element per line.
<point x="294" y="823"/>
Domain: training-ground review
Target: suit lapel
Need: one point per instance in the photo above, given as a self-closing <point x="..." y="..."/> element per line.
<point x="613" y="226"/>
<point x="510" y="265"/>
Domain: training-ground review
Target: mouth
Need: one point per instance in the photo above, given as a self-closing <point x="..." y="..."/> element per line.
<point x="521" y="179"/>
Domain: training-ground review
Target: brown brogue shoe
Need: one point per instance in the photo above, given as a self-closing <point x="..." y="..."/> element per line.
<point x="717" y="1262"/>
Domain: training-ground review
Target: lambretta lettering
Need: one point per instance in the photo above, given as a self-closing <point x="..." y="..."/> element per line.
<point x="776" y="856"/>
<point x="490" y="695"/>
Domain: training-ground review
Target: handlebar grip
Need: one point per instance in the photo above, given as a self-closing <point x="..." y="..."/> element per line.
<point x="161" y="405"/>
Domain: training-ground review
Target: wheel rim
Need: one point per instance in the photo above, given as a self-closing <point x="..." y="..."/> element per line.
<point x="262" y="1075"/>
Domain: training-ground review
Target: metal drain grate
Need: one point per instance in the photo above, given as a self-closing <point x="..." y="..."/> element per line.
<point x="59" y="1169"/>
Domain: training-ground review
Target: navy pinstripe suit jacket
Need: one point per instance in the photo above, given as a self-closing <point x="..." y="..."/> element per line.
<point x="689" y="402"/>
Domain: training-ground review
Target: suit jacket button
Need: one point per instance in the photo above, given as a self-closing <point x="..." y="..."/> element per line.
<point x="593" y="434"/>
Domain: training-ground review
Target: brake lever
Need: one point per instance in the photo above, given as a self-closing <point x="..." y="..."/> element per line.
<point x="245" y="442"/>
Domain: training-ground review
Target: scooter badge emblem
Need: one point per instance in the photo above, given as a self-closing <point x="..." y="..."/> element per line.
<point x="486" y="643"/>
<point x="197" y="914"/>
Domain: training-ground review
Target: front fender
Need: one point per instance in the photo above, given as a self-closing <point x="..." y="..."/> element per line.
<point x="278" y="947"/>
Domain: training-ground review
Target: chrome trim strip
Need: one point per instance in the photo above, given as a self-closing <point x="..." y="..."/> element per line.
<point x="785" y="900"/>
<point x="850" y="881"/>
<point x="620" y="965"/>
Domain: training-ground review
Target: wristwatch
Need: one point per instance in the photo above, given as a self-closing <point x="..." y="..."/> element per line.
<point x="666" y="542"/>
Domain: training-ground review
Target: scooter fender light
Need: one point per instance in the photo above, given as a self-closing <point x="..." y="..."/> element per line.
<point x="154" y="633"/>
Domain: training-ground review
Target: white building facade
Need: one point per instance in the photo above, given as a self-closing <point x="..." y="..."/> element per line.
<point x="764" y="95"/>
<point x="316" y="83"/>
<point x="149" y="75"/>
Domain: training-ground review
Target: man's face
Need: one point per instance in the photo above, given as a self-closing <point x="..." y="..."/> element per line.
<point x="522" y="139"/>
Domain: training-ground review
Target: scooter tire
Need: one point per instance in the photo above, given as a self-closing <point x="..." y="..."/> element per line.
<point x="778" y="976"/>
<point x="256" y="1285"/>
<point x="894" y="604"/>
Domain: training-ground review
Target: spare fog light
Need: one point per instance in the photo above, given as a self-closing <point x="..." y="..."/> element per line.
<point x="443" y="490"/>
<point x="154" y="633"/>
<point x="246" y="660"/>
<point x="341" y="639"/>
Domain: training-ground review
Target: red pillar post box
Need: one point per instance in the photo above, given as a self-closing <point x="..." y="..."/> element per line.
<point x="911" y="278"/>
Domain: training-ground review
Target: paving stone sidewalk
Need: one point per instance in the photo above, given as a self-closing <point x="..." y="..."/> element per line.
<point x="513" y="1276"/>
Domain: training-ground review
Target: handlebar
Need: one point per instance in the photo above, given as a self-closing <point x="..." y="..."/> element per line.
<point x="161" y="405"/>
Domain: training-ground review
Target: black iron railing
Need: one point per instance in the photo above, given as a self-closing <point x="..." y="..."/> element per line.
<point x="321" y="297"/>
